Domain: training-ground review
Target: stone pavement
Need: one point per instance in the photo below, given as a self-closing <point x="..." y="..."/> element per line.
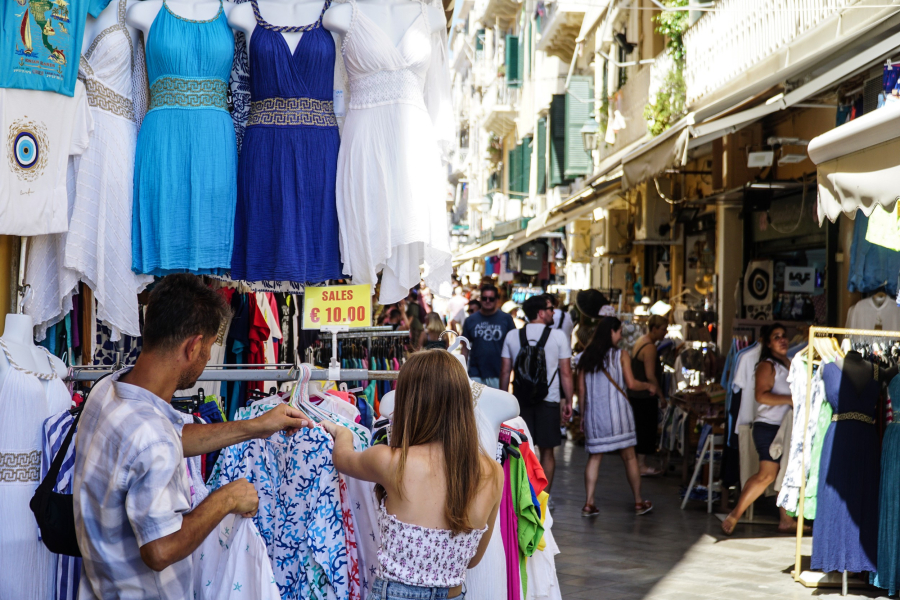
<point x="669" y="554"/>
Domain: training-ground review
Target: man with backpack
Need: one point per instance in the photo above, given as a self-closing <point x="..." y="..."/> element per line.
<point x="539" y="356"/>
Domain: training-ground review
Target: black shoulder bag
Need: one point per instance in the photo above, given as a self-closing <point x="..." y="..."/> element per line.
<point x="55" y="512"/>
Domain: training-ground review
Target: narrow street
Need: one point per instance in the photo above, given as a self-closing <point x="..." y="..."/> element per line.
<point x="669" y="554"/>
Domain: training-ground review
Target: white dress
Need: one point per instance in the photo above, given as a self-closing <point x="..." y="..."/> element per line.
<point x="27" y="399"/>
<point x="97" y="247"/>
<point x="390" y="186"/>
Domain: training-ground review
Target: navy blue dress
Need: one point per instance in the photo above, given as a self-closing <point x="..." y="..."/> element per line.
<point x="845" y="532"/>
<point x="286" y="224"/>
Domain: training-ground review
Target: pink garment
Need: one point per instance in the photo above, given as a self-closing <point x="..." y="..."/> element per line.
<point x="509" y="533"/>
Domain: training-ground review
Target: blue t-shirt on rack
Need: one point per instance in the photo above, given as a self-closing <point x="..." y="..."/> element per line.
<point x="40" y="42"/>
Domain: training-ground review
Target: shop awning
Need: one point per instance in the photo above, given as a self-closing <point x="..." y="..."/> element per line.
<point x="578" y="205"/>
<point x="665" y="151"/>
<point x="488" y="249"/>
<point x="858" y="164"/>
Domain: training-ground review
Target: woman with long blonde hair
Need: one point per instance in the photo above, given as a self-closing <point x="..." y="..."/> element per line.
<point x="439" y="493"/>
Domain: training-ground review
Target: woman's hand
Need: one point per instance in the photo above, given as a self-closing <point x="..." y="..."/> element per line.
<point x="653" y="389"/>
<point x="333" y="429"/>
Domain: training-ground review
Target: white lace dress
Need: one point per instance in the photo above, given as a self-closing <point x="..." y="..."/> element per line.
<point x="27" y="398"/>
<point x="391" y="189"/>
<point x="97" y="247"/>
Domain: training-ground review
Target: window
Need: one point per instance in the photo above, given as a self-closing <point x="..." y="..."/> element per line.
<point x="542" y="156"/>
<point x="513" y="72"/>
<point x="579" y="106"/>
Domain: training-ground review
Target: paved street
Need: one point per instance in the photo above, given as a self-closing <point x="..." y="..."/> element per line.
<point x="669" y="554"/>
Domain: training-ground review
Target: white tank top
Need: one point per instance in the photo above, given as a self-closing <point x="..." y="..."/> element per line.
<point x="774" y="415"/>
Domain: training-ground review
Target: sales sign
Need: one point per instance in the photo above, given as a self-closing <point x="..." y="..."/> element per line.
<point x="800" y="279"/>
<point x="346" y="305"/>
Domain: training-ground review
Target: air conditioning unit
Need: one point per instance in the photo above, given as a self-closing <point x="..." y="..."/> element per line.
<point x="609" y="235"/>
<point x="651" y="212"/>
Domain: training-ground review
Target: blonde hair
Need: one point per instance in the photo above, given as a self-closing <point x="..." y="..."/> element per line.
<point x="434" y="326"/>
<point x="433" y="404"/>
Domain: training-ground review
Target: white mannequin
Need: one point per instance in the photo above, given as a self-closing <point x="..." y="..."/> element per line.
<point x="393" y="17"/>
<point x="142" y="14"/>
<point x="18" y="337"/>
<point x="109" y="17"/>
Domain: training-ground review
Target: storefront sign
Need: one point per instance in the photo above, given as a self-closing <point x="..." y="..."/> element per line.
<point x="800" y="279"/>
<point x="345" y="305"/>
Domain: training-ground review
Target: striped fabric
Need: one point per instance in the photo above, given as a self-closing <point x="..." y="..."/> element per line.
<point x="68" y="568"/>
<point x="608" y="418"/>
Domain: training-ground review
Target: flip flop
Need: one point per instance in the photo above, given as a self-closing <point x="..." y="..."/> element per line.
<point x="642" y="508"/>
<point x="590" y="510"/>
<point x="651" y="473"/>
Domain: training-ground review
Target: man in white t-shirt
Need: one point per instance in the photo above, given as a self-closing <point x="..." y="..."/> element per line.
<point x="543" y="417"/>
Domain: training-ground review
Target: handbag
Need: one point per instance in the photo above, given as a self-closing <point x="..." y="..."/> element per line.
<point x="55" y="512"/>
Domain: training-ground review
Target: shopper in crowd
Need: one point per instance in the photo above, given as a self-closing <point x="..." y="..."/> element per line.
<point x="561" y="318"/>
<point x="456" y="310"/>
<point x="416" y="328"/>
<point x="604" y="371"/>
<point x="589" y="303"/>
<point x="133" y="521"/>
<point x="542" y="407"/>
<point x="431" y="337"/>
<point x="773" y="401"/>
<point x="486" y="331"/>
<point x="473" y="307"/>
<point x="439" y="493"/>
<point x="646" y="368"/>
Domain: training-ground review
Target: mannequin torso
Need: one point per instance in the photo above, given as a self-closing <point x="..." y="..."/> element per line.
<point x="17" y="337"/>
<point x="393" y="17"/>
<point x="860" y="371"/>
<point x="289" y="13"/>
<point x="108" y="18"/>
<point x="142" y="14"/>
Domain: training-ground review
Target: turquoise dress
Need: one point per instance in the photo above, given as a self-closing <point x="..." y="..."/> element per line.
<point x="185" y="176"/>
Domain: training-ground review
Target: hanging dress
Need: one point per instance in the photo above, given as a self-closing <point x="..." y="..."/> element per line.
<point x="27" y="399"/>
<point x="608" y="418"/>
<point x="888" y="576"/>
<point x="391" y="190"/>
<point x="845" y="532"/>
<point x="186" y="167"/>
<point x="286" y="225"/>
<point x="95" y="250"/>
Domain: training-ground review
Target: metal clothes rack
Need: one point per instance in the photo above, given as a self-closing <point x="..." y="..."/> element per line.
<point x="808" y="578"/>
<point x="271" y="372"/>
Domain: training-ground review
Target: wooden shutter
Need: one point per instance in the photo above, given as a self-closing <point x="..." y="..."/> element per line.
<point x="578" y="110"/>
<point x="513" y="76"/>
<point x="542" y="156"/>
<point x="512" y="171"/>
<point x="557" y="139"/>
<point x="526" y="165"/>
<point x="479" y="39"/>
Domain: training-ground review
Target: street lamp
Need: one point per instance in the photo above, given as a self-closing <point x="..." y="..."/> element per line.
<point x="589" y="134"/>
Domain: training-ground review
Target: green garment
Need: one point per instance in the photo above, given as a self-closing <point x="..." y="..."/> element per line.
<point x="812" y="483"/>
<point x="531" y="530"/>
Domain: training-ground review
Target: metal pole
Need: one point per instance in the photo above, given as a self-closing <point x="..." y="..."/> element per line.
<point x="279" y="375"/>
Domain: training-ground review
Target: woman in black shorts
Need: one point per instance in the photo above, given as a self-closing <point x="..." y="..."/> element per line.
<point x="773" y="401"/>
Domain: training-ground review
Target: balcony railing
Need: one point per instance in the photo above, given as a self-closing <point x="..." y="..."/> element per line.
<point x="741" y="33"/>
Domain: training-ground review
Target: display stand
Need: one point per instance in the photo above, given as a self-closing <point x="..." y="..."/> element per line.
<point x="813" y="578"/>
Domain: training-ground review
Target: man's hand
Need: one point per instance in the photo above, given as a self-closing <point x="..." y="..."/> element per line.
<point x="281" y="418"/>
<point x="565" y="411"/>
<point x="244" y="497"/>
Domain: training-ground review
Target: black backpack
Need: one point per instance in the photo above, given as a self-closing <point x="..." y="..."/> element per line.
<point x="530" y="385"/>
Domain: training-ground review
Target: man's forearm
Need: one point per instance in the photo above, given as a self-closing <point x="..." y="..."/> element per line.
<point x="195" y="527"/>
<point x="567" y="388"/>
<point x="199" y="439"/>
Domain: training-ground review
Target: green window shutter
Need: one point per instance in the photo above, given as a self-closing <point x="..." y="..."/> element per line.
<point x="479" y="39"/>
<point x="513" y="168"/>
<point x="526" y="165"/>
<point x="578" y="111"/>
<point x="529" y="35"/>
<point x="513" y="78"/>
<point x="557" y="139"/>
<point x="542" y="156"/>
<point x="522" y="50"/>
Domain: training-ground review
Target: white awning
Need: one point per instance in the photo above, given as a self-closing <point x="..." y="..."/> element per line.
<point x="663" y="152"/>
<point x="858" y="164"/>
<point x="577" y="206"/>
<point x="486" y="249"/>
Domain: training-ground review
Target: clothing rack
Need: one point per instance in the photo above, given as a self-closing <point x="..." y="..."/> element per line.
<point x="801" y="577"/>
<point x="273" y="372"/>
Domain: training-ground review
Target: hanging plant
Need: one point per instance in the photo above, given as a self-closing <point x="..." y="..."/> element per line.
<point x="669" y="105"/>
<point x="673" y="24"/>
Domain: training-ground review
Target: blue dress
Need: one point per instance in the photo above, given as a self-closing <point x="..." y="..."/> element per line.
<point x="845" y="532"/>
<point x="186" y="163"/>
<point x="286" y="225"/>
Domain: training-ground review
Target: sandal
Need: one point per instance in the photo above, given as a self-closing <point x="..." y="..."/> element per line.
<point x="642" y="508"/>
<point x="589" y="510"/>
<point x="651" y="472"/>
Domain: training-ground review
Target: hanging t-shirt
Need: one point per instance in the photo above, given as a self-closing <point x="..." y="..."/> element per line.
<point x="531" y="258"/>
<point x="41" y="42"/>
<point x="867" y="314"/>
<point x="40" y="131"/>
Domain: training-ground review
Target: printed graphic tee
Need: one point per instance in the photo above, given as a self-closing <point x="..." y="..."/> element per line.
<point x="39" y="131"/>
<point x="40" y="42"/>
<point x="486" y="334"/>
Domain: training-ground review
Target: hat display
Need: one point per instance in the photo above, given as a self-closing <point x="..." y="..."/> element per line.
<point x="589" y="302"/>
